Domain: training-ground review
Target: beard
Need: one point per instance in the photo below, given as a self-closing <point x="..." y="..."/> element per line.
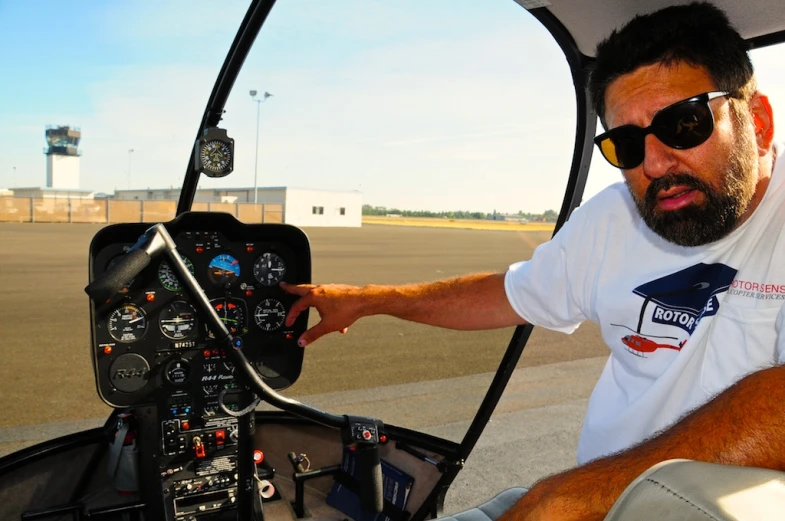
<point x="722" y="209"/>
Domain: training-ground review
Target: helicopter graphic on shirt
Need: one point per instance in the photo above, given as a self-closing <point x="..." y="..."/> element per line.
<point x="679" y="300"/>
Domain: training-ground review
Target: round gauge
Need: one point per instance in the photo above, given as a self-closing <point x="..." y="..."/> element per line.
<point x="215" y="156"/>
<point x="232" y="314"/>
<point x="223" y="270"/>
<point x="177" y="371"/>
<point x="269" y="314"/>
<point x="177" y="320"/>
<point x="269" y="269"/>
<point x="167" y="277"/>
<point x="112" y="264"/>
<point x="128" y="323"/>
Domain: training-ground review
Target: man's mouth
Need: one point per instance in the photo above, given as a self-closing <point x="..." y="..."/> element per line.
<point x="676" y="198"/>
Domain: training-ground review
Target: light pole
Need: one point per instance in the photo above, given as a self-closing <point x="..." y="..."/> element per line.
<point x="256" y="160"/>
<point x="130" y="151"/>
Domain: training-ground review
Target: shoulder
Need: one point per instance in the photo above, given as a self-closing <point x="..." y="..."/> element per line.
<point x="611" y="207"/>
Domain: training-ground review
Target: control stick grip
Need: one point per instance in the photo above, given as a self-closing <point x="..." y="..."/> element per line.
<point x="370" y="477"/>
<point x="110" y="282"/>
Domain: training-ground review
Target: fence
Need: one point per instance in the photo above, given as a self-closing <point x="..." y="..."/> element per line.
<point x="106" y="211"/>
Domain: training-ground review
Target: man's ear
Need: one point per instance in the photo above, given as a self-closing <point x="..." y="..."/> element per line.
<point x="763" y="121"/>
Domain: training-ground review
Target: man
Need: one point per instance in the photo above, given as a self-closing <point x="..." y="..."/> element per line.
<point x="680" y="266"/>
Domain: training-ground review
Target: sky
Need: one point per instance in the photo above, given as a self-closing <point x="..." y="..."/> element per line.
<point x="438" y="105"/>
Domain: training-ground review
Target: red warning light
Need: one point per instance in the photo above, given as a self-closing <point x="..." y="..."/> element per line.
<point x="150" y="297"/>
<point x="199" y="249"/>
<point x="185" y="425"/>
<point x="107" y="350"/>
<point x="249" y="249"/>
<point x="248" y="293"/>
<point x="258" y="456"/>
<point x="289" y="336"/>
<point x="206" y="353"/>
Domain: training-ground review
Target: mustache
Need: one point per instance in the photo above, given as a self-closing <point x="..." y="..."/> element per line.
<point x="682" y="179"/>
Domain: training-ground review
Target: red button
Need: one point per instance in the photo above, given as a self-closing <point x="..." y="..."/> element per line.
<point x="367" y="435"/>
<point x="258" y="456"/>
<point x="220" y="436"/>
<point x="185" y="425"/>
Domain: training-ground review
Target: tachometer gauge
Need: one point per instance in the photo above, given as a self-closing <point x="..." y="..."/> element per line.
<point x="167" y="277"/>
<point x="231" y="311"/>
<point x="269" y="269"/>
<point x="215" y="156"/>
<point x="128" y="323"/>
<point x="178" y="320"/>
<point x="223" y="270"/>
<point x="269" y="314"/>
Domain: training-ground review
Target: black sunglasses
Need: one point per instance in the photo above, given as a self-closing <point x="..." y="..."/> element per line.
<point x="685" y="124"/>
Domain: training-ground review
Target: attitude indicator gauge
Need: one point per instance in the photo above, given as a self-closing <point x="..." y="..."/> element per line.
<point x="178" y="320"/>
<point x="215" y="153"/>
<point x="269" y="269"/>
<point x="269" y="314"/>
<point x="167" y="277"/>
<point x="127" y="323"/>
<point x="223" y="270"/>
<point x="231" y="311"/>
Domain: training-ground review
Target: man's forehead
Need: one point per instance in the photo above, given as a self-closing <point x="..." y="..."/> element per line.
<point x="640" y="94"/>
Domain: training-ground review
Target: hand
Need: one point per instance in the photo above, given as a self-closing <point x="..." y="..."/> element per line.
<point x="338" y="306"/>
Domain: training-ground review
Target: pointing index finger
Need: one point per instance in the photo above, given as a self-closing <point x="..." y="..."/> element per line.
<point x="301" y="289"/>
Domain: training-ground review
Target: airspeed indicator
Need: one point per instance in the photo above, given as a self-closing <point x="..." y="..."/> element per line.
<point x="128" y="323"/>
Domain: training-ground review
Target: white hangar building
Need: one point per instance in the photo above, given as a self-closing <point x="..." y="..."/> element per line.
<point x="301" y="206"/>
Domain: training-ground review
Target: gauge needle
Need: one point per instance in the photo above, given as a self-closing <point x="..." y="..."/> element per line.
<point x="229" y="320"/>
<point x="137" y="319"/>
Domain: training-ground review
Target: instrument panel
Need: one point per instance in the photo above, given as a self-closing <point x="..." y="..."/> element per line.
<point x="151" y="335"/>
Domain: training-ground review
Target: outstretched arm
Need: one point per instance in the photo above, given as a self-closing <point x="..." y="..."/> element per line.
<point x="744" y="425"/>
<point x="470" y="302"/>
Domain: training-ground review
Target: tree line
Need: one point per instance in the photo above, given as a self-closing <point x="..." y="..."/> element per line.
<point x="547" y="215"/>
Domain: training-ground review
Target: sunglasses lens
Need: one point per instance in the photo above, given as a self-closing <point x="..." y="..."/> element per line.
<point x="623" y="147"/>
<point x="685" y="125"/>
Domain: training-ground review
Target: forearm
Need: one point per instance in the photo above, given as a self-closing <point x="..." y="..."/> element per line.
<point x="745" y="425"/>
<point x="470" y="302"/>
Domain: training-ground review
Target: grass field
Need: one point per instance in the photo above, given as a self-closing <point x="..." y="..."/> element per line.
<point x="469" y="224"/>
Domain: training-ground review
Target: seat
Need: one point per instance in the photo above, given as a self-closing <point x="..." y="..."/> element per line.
<point x="686" y="490"/>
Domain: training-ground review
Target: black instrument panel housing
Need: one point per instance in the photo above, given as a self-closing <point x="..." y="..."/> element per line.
<point x="129" y="373"/>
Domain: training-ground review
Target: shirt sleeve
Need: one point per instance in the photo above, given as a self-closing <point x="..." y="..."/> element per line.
<point x="547" y="290"/>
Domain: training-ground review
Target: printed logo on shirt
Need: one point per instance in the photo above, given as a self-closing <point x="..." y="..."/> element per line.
<point x="757" y="290"/>
<point x="679" y="300"/>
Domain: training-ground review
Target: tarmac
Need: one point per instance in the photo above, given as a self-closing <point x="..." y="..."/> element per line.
<point x="410" y="375"/>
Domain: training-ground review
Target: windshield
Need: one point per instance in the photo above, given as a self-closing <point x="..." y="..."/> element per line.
<point x="411" y="141"/>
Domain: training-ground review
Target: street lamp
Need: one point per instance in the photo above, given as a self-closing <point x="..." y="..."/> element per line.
<point x="256" y="160"/>
<point x="130" y="151"/>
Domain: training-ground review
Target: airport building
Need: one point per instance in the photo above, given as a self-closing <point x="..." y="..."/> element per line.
<point x="62" y="195"/>
<point x="301" y="206"/>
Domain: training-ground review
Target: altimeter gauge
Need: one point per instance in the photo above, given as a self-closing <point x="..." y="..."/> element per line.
<point x="269" y="269"/>
<point x="215" y="153"/>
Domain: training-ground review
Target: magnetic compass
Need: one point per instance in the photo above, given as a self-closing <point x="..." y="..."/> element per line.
<point x="215" y="153"/>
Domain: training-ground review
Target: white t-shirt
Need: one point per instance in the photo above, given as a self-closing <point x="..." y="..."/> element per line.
<point x="682" y="324"/>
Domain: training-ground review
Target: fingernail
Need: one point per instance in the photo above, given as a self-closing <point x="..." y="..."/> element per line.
<point x="302" y="343"/>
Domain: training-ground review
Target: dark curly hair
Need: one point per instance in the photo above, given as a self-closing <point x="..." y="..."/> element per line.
<point x="699" y="34"/>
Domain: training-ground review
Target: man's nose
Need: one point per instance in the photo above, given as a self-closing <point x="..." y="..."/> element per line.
<point x="659" y="158"/>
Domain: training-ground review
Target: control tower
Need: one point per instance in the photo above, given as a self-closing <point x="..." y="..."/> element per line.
<point x="62" y="157"/>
